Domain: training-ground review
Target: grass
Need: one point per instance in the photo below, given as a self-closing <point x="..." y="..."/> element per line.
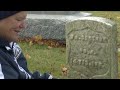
<point x="43" y="59"/>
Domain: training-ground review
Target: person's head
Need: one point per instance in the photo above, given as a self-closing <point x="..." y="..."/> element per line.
<point x="11" y="23"/>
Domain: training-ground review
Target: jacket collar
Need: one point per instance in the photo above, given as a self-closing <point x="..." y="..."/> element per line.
<point x="5" y="44"/>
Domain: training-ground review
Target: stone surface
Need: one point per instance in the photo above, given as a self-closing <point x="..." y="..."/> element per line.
<point x="91" y="44"/>
<point x="54" y="12"/>
<point x="60" y="13"/>
<point x="48" y="26"/>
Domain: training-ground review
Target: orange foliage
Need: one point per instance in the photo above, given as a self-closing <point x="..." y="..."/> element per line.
<point x="40" y="41"/>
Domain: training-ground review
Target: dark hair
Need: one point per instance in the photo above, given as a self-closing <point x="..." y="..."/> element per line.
<point x="5" y="14"/>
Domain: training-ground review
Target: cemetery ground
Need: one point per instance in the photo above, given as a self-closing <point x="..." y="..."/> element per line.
<point x="49" y="56"/>
<point x="44" y="58"/>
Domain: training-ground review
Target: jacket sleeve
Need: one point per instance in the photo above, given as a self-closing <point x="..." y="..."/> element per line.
<point x="6" y="71"/>
<point x="23" y="63"/>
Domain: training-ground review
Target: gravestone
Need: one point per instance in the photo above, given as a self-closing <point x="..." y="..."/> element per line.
<point x="49" y="24"/>
<point x="92" y="48"/>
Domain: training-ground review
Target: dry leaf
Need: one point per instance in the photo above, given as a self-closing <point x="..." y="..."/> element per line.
<point x="30" y="43"/>
<point x="49" y="47"/>
<point x="64" y="70"/>
<point x="28" y="56"/>
<point x="118" y="17"/>
<point x="40" y="43"/>
<point x="37" y="37"/>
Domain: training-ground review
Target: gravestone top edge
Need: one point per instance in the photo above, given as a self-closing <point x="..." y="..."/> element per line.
<point x="79" y="13"/>
<point x="55" y="17"/>
<point x="97" y="19"/>
<point x="71" y="18"/>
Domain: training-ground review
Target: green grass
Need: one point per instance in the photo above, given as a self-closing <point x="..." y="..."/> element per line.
<point x="44" y="59"/>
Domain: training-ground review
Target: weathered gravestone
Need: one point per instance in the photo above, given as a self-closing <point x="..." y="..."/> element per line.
<point x="92" y="48"/>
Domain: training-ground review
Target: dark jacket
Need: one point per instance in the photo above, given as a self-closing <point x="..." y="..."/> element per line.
<point x="13" y="64"/>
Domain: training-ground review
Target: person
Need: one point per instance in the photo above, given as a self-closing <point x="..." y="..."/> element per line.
<point x="13" y="64"/>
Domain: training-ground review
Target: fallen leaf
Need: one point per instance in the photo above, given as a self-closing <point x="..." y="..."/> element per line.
<point x="28" y="56"/>
<point x="30" y="43"/>
<point x="40" y="43"/>
<point x="118" y="17"/>
<point x="49" y="47"/>
<point x="64" y="70"/>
